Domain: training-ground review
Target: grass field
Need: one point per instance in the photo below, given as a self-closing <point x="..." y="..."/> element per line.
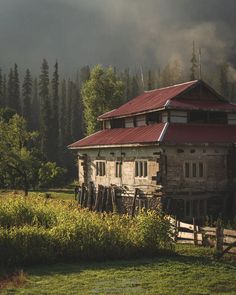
<point x="60" y="194"/>
<point x="192" y="271"/>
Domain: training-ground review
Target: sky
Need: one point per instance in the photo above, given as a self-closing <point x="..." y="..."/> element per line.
<point x="121" y="33"/>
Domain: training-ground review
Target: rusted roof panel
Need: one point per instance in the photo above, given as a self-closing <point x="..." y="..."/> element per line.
<point x="119" y="136"/>
<point x="149" y="100"/>
<point x="202" y="105"/>
<point x="200" y="133"/>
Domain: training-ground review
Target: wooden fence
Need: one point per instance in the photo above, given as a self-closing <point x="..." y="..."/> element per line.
<point x="224" y="240"/>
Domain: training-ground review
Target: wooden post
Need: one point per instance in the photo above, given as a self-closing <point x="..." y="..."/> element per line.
<point x="109" y="200"/>
<point x="219" y="239"/>
<point x="104" y="199"/>
<point x="195" y="233"/>
<point x="136" y="192"/>
<point x="114" y="201"/>
<point x="98" y="198"/>
<point x="90" y="195"/>
<point x="82" y="195"/>
<point x="85" y="201"/>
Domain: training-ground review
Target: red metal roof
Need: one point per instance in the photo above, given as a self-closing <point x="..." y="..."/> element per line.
<point x="199" y="133"/>
<point x="149" y="100"/>
<point x="202" y="105"/>
<point x="169" y="133"/>
<point x="119" y="136"/>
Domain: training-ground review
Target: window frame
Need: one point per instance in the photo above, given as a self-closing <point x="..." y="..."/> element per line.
<point x="194" y="170"/>
<point x="141" y="169"/>
<point x="100" y="168"/>
<point x="118" y="169"/>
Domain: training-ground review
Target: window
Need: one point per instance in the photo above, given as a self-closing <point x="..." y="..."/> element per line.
<point x="118" y="169"/>
<point x="194" y="170"/>
<point x="141" y="169"/>
<point x="100" y="168"/>
<point x="195" y="208"/>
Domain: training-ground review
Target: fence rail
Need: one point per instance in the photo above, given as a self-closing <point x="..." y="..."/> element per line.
<point x="224" y="240"/>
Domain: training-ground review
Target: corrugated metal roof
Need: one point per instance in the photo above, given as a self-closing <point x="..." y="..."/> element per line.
<point x="166" y="133"/>
<point x="200" y="133"/>
<point x="202" y="105"/>
<point x="119" y="136"/>
<point x="149" y="100"/>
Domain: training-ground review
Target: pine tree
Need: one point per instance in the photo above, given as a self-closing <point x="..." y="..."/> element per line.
<point x="45" y="112"/>
<point x="55" y="112"/>
<point x="194" y="64"/>
<point x="150" y="80"/>
<point x="16" y="90"/>
<point x="35" y="106"/>
<point x="27" y="98"/>
<point x="4" y="90"/>
<point x="62" y="116"/>
<point x="127" y="84"/>
<point x="10" y="90"/>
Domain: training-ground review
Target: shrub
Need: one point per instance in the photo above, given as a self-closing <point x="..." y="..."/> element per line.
<point x="36" y="230"/>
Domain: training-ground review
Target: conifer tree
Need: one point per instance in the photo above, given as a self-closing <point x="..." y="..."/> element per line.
<point x="194" y="64"/>
<point x="10" y="90"/>
<point x="35" y="106"/>
<point x="62" y="116"/>
<point x="55" y="112"/>
<point x="16" y="90"/>
<point x="45" y="112"/>
<point x="27" y="98"/>
<point x="150" y="80"/>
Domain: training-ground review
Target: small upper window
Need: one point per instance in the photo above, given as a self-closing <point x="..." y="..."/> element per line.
<point x="100" y="168"/>
<point x="141" y="169"/>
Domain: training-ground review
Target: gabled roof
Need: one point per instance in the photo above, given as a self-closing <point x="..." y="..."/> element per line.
<point x="171" y="98"/>
<point x="149" y="100"/>
<point x="168" y="133"/>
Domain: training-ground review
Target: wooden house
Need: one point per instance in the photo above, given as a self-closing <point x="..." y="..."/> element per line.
<point x="177" y="142"/>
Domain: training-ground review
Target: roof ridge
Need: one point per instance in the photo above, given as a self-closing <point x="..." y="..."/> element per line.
<point x="175" y="85"/>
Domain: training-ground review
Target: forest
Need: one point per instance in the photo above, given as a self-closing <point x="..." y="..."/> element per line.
<point x="41" y="115"/>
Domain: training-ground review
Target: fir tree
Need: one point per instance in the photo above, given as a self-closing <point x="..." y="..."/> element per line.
<point x="194" y="64"/>
<point x="55" y="111"/>
<point x="10" y="90"/>
<point x="45" y="112"/>
<point x="27" y="98"/>
<point x="16" y="90"/>
<point x="35" y="106"/>
<point x="62" y="116"/>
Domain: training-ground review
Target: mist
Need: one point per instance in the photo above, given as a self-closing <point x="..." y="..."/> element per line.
<point x="122" y="33"/>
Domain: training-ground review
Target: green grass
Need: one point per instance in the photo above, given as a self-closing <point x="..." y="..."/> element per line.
<point x="59" y="194"/>
<point x="192" y="271"/>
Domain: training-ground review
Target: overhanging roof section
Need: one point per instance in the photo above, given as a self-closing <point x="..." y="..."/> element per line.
<point x="200" y="134"/>
<point x="150" y="100"/>
<point x="122" y="136"/>
<point x="168" y="133"/>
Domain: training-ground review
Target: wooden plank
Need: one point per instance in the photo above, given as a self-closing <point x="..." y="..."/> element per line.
<point x="230" y="232"/>
<point x="185" y="242"/>
<point x="229" y="240"/>
<point x="185" y="235"/>
<point x="187" y="225"/>
<point x="208" y="229"/>
<point x="210" y="233"/>
<point x="231" y="251"/>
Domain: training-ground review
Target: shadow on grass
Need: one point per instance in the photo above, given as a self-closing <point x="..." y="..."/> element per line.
<point x="171" y="257"/>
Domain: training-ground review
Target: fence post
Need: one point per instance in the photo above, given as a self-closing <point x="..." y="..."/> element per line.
<point x="195" y="233"/>
<point x="219" y="239"/>
<point x="134" y="201"/>
<point x="176" y="228"/>
<point x="114" y="201"/>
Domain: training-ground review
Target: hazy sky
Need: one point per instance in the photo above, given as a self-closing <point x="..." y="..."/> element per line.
<point x="114" y="32"/>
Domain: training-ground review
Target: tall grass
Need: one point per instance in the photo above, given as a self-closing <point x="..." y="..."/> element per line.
<point x="33" y="230"/>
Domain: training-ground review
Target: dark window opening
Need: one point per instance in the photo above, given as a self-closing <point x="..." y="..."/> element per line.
<point x="118" y="123"/>
<point x="152" y="118"/>
<point x="207" y="117"/>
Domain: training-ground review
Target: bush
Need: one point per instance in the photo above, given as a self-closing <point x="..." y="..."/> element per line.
<point x="36" y="230"/>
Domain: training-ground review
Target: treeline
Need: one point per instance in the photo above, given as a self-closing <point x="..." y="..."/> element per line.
<point x="62" y="109"/>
